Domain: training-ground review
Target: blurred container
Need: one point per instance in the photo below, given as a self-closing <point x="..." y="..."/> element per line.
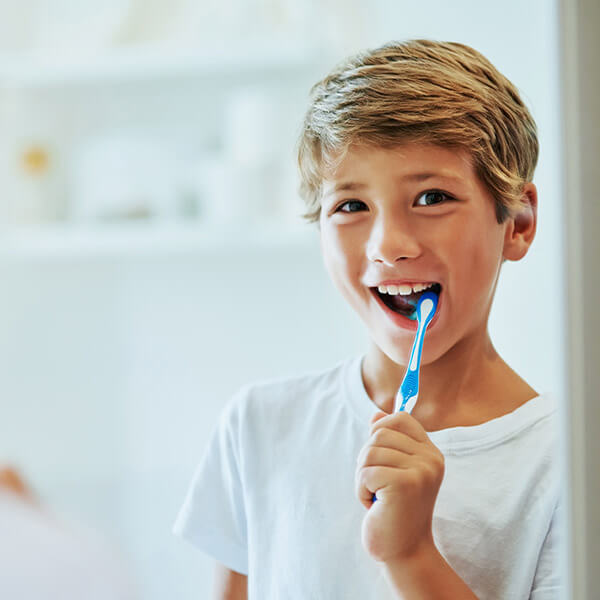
<point x="252" y="124"/>
<point x="247" y="182"/>
<point x="32" y="179"/>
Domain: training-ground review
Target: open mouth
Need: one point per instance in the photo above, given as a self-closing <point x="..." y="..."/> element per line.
<point x="405" y="304"/>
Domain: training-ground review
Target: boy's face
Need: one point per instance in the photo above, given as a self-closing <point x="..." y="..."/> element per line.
<point x="415" y="213"/>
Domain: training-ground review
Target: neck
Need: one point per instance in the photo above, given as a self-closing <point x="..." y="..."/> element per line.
<point x="467" y="385"/>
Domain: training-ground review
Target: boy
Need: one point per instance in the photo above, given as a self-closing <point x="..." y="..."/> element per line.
<point x="416" y="160"/>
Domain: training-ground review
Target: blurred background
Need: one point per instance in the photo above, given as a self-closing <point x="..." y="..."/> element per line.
<point x="152" y="257"/>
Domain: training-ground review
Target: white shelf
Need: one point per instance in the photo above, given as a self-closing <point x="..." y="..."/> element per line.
<point x="150" y="62"/>
<point x="124" y="240"/>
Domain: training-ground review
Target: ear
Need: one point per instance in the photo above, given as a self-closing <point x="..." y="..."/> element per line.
<point x="521" y="227"/>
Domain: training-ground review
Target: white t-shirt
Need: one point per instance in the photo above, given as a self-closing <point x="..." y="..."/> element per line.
<point x="274" y="495"/>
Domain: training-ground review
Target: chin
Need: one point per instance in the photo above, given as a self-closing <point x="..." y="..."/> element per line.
<point x="401" y="355"/>
<point x="394" y="351"/>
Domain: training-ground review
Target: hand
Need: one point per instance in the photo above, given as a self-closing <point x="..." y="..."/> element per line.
<point x="405" y="469"/>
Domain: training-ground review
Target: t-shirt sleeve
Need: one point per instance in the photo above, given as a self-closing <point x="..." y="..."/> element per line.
<point x="548" y="583"/>
<point x="213" y="516"/>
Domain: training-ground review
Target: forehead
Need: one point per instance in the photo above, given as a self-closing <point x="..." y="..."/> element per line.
<point x="410" y="162"/>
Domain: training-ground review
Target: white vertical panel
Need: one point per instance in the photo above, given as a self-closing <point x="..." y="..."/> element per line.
<point x="580" y="46"/>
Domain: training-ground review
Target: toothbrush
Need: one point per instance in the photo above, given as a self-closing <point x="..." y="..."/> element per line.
<point x="407" y="395"/>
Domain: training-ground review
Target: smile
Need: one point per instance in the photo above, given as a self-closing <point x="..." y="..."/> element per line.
<point x="403" y="299"/>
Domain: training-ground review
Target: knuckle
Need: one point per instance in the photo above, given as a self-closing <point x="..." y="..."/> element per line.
<point x="371" y="455"/>
<point x="433" y="471"/>
<point x="439" y="463"/>
<point x="430" y="472"/>
<point x="404" y="417"/>
<point x="379" y="436"/>
<point x="361" y="454"/>
<point x="361" y="477"/>
<point x="442" y="463"/>
<point x="399" y="419"/>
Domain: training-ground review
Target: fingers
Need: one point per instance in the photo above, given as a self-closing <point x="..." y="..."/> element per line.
<point x="398" y="453"/>
<point x="374" y="479"/>
<point x="402" y="422"/>
<point x="377" y="467"/>
<point x="387" y="438"/>
<point x="371" y="456"/>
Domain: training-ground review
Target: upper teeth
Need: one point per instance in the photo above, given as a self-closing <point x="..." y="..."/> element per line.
<point x="404" y="290"/>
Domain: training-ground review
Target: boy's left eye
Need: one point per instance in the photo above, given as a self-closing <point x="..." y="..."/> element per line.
<point x="433" y="197"/>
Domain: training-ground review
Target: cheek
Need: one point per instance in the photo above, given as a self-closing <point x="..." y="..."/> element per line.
<point x="341" y="258"/>
<point x="481" y="257"/>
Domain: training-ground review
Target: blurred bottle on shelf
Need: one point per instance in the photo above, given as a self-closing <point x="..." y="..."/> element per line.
<point x="33" y="169"/>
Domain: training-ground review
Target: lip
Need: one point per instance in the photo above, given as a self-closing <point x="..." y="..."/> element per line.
<point x="401" y="320"/>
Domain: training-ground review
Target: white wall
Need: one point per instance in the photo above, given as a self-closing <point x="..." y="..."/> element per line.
<point x="114" y="368"/>
<point x="114" y="372"/>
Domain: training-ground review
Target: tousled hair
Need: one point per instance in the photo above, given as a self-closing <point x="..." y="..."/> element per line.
<point x="424" y="91"/>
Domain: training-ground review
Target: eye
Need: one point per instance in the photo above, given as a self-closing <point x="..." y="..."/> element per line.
<point x="433" y="197"/>
<point x="351" y="206"/>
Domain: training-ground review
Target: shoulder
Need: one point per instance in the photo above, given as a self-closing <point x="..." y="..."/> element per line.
<point x="288" y="397"/>
<point x="282" y="391"/>
<point x="531" y="430"/>
<point x="535" y="433"/>
<point x="540" y="417"/>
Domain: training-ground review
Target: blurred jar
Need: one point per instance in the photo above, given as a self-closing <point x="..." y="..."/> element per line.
<point x="31" y="183"/>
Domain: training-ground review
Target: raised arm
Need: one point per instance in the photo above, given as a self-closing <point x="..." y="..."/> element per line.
<point x="229" y="585"/>
<point x="405" y="469"/>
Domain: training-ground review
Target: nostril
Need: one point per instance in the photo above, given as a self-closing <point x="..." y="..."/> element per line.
<point x="392" y="247"/>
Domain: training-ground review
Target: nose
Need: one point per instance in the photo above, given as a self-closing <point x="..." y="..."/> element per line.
<point x="392" y="240"/>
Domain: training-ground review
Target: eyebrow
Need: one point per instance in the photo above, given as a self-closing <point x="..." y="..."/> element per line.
<point x="354" y="186"/>
<point x="346" y="186"/>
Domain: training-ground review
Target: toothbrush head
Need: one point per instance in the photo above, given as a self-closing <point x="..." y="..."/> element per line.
<point x="426" y="308"/>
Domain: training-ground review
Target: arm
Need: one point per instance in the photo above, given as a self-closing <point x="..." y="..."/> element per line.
<point x="405" y="469"/>
<point x="426" y="575"/>
<point x="229" y="585"/>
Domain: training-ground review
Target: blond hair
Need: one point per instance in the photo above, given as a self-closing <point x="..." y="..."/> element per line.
<point x="443" y="93"/>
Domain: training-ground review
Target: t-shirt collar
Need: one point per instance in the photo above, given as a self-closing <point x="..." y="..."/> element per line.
<point x="454" y="439"/>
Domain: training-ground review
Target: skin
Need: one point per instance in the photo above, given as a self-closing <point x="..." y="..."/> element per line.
<point x="381" y="227"/>
<point x="378" y="223"/>
<point x="229" y="585"/>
